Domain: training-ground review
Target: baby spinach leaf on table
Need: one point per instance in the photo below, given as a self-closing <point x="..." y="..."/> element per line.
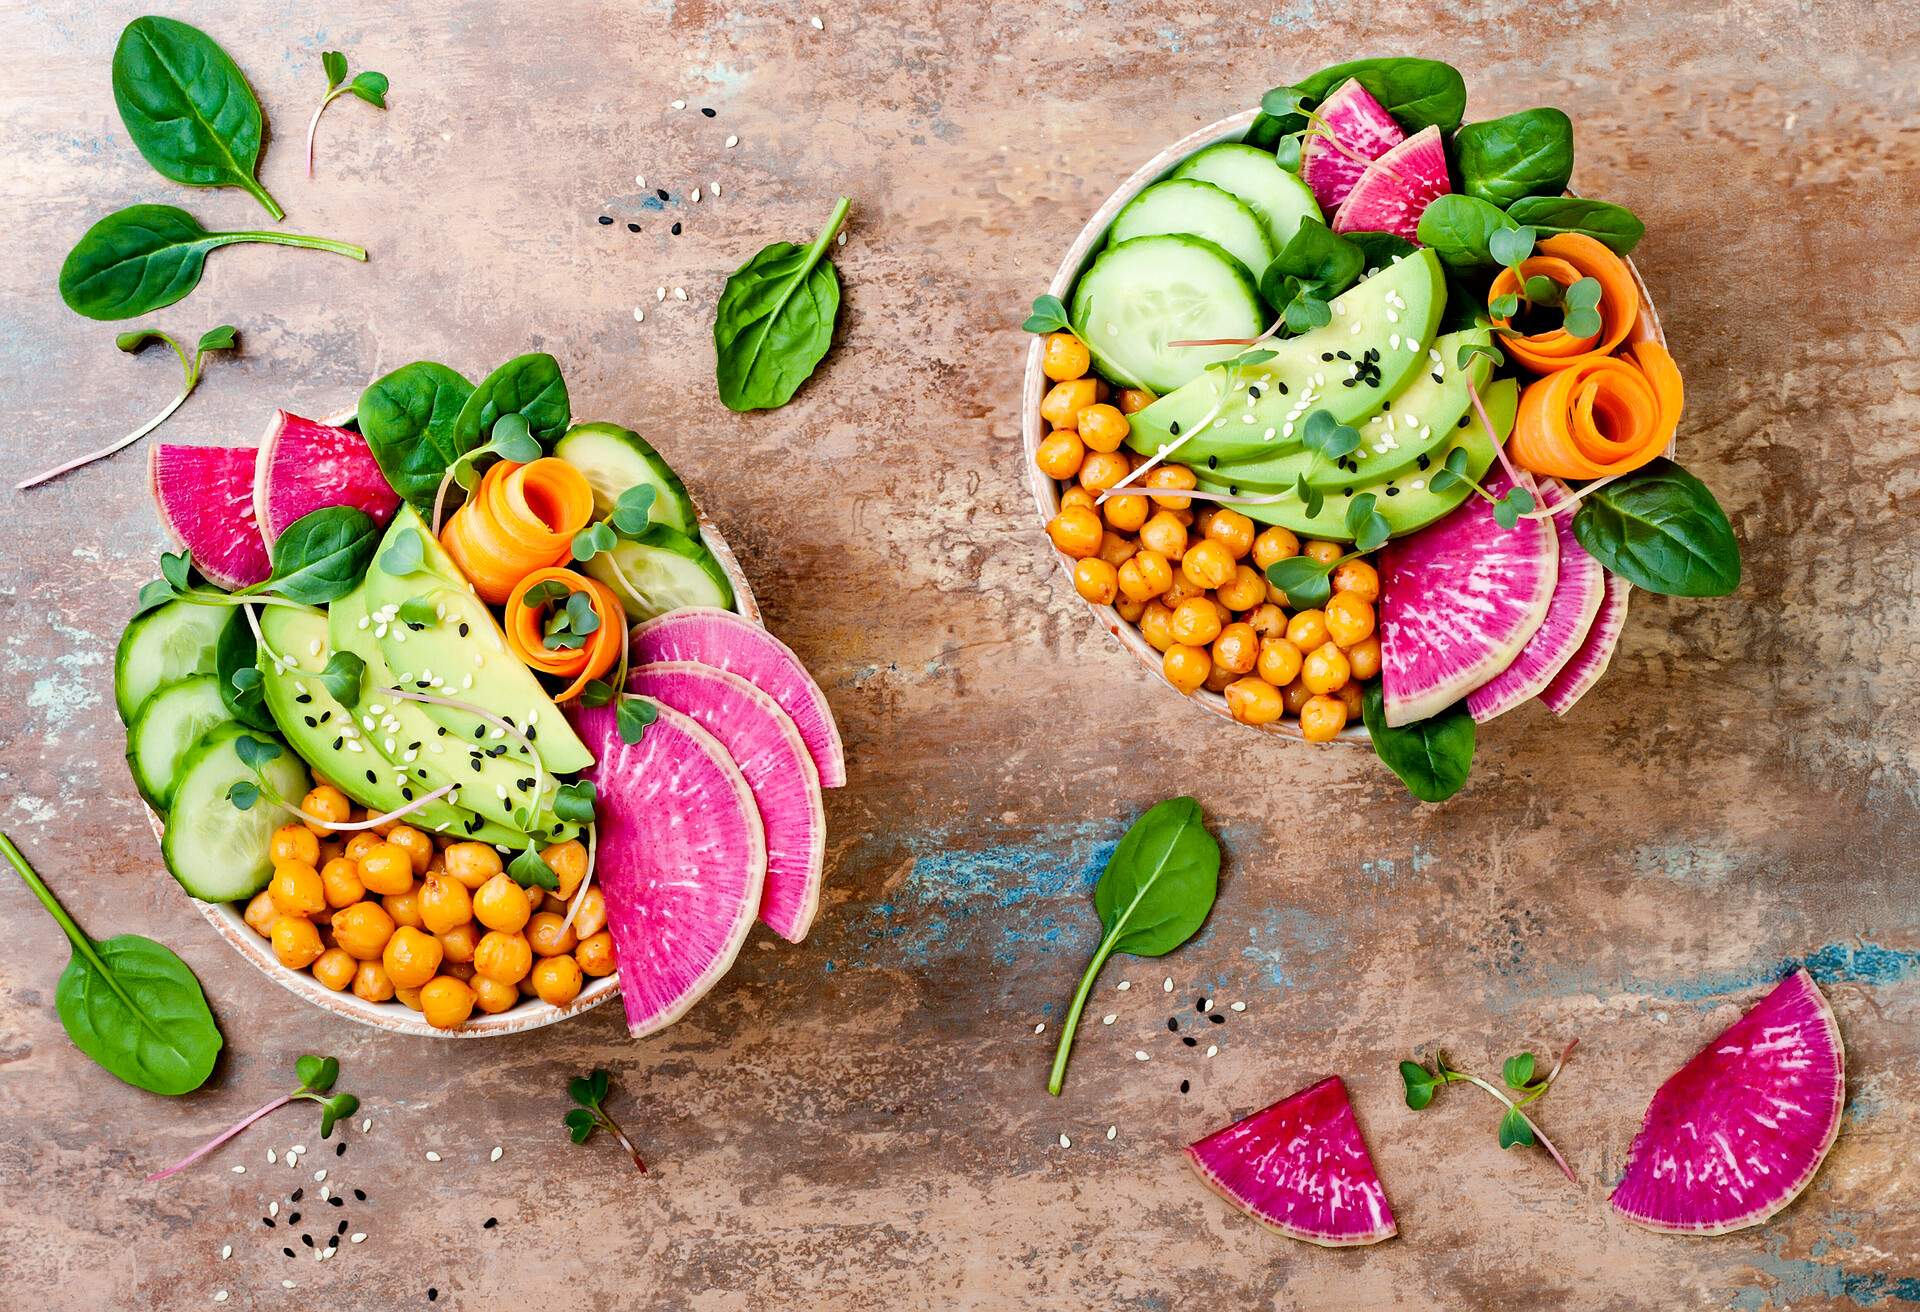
<point x="129" y="1003"/>
<point x="775" y="320"/>
<point x="188" y="108"/>
<point x="1153" y="896"/>
<point x="1615" y="226"/>
<point x="1461" y="230"/>
<point x="1417" y="92"/>
<point x="1524" y="154"/>
<point x="236" y="657"/>
<point x="1432" y="757"/>
<point x="528" y="385"/>
<point x="145" y="257"/>
<point x="408" y="420"/>
<point x="1659" y="528"/>
<point x="323" y="555"/>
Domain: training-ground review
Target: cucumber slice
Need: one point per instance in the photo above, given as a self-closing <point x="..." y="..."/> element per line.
<point x="1255" y="176"/>
<point x="1141" y="294"/>
<point x="661" y="570"/>
<point x="163" y="646"/>
<point x="164" y="730"/>
<point x="218" y="852"/>
<point x="614" y="459"/>
<point x="1202" y="210"/>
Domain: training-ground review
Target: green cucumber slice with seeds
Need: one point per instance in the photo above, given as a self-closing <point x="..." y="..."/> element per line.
<point x="1200" y="209"/>
<point x="164" y="730"/>
<point x="1143" y="293"/>
<point x="661" y="570"/>
<point x="217" y="851"/>
<point x="614" y="459"/>
<point x="167" y="644"/>
<point x="1256" y="178"/>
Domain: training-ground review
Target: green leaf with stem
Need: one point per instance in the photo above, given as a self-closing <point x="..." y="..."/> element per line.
<point x="1510" y="246"/>
<point x="1516" y="1128"/>
<point x="1518" y="1070"/>
<point x="574" y="802"/>
<point x="370" y="87"/>
<point x="316" y="1076"/>
<point x="589" y="1113"/>
<point x="342" y="677"/>
<point x="634" y="510"/>
<point x="530" y="870"/>
<point x="405" y="556"/>
<point x="243" y="794"/>
<point x="632" y="716"/>
<point x="1049" y="315"/>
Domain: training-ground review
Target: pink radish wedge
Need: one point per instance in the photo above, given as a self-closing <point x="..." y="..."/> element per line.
<point x="725" y="641"/>
<point x="771" y="754"/>
<point x="1578" y="586"/>
<point x="1596" y="652"/>
<point x="680" y="857"/>
<point x="306" y="466"/>
<point x="205" y="497"/>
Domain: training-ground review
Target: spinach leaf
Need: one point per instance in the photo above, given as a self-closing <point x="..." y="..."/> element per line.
<point x="530" y="386"/>
<point x="408" y="420"/>
<point x="1416" y="92"/>
<point x="1615" y="225"/>
<point x="1378" y="250"/>
<point x="1315" y="265"/>
<point x="775" y="320"/>
<point x="323" y="555"/>
<point x="1460" y="230"/>
<point x="148" y="256"/>
<point x="1153" y="896"/>
<point x="236" y="658"/>
<point x="1524" y="154"/>
<point x="187" y="107"/>
<point x="129" y="1003"/>
<point x="1431" y="756"/>
<point x="1659" y="528"/>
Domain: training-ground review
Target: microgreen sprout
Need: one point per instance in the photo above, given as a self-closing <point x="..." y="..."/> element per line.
<point x="511" y="438"/>
<point x="530" y="870"/>
<point x="222" y="338"/>
<point x="1517" y="1129"/>
<point x="632" y="715"/>
<point x="369" y="86"/>
<point x="316" y="1076"/>
<point x="257" y="753"/>
<point x="1049" y="316"/>
<point x="589" y="1113"/>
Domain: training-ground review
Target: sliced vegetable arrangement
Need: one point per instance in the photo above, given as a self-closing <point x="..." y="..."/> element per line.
<point x="1393" y="341"/>
<point x="390" y="695"/>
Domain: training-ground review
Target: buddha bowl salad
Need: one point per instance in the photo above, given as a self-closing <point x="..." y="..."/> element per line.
<point x="456" y="701"/>
<point x="1362" y="417"/>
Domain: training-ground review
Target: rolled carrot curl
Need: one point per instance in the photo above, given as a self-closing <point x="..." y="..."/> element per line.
<point x="521" y="518"/>
<point x="1567" y="258"/>
<point x="1600" y="417"/>
<point x="526" y="630"/>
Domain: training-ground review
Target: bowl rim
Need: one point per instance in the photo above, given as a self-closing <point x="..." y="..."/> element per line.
<point x="1046" y="492"/>
<point x="395" y="1017"/>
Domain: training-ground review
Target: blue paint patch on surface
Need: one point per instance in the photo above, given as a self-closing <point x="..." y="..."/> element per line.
<point x="1301" y="13"/>
<point x="1836" y="963"/>
<point x="1792" y="1281"/>
<point x="1278" y="943"/>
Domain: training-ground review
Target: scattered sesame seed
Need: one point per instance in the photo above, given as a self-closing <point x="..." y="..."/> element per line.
<point x="732" y="141"/>
<point x="679" y="104"/>
<point x="1112" y="1131"/>
<point x="272" y="1157"/>
<point x="841" y="240"/>
<point x="1123" y="985"/>
<point x="1166" y="985"/>
<point x="705" y="110"/>
<point x="1213" y="1050"/>
<point x="1040" y="1028"/>
<point x="639" y="315"/>
<point x="1108" y="1019"/>
<point x="1186" y="1086"/>
<point x="633" y="227"/>
<point x="366" y="1124"/>
<point x="286" y="1284"/>
<point x="220" y="1297"/>
<point x="716" y="188"/>
<point x="490" y="1223"/>
<point x="676" y="230"/>
<point x="358" y="1237"/>
<point x="494" y="1156"/>
<point x="640" y="181"/>
<point x="816" y="24"/>
<point x="1065" y="1142"/>
<point x="696" y="196"/>
<point x="679" y="293"/>
<point x="433" y="1156"/>
<point x="226" y="1251"/>
<point x="326" y="1193"/>
<point x="273" y="1209"/>
<point x="239" y="1170"/>
<point x="606" y="220"/>
<point x="1141" y="1055"/>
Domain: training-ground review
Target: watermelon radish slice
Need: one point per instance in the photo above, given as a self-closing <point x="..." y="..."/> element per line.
<point x="205" y="496"/>
<point x="725" y="641"/>
<point x="1739" y="1131"/>
<point x="1396" y="188"/>
<point x="1595" y="654"/>
<point x="1578" y="588"/>
<point x="1300" y="1167"/>
<point x="304" y="466"/>
<point x="1458" y="601"/>
<point x="680" y="858"/>
<point x="773" y="757"/>
<point x="1359" y="123"/>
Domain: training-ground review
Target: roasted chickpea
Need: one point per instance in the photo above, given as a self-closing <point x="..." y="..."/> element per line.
<point x="1174" y="479"/>
<point x="405" y="908"/>
<point x="1232" y="530"/>
<point x="501" y="904"/>
<point x="1064" y="357"/>
<point x="1218" y="679"/>
<point x="334" y="969"/>
<point x="409" y="998"/>
<point x="446" y="1002"/>
<point x="444" y="903"/>
<point x="296" y="889"/>
<point x="491" y="995"/>
<point x="340" y="878"/>
<point x="1325" y="668"/>
<point x="1156" y="626"/>
<point x="1203" y="520"/>
<point x="1349" y="695"/>
<point x="1274" y="544"/>
<point x="568" y="861"/>
<point x="1357" y="578"/>
<point x="1128" y="609"/>
<point x="416" y="844"/>
<point x="1268" y="620"/>
<point x="1186" y="667"/>
<point x="1253" y="701"/>
<point x="1140" y="577"/>
<point x="1236" y="649"/>
<point x="473" y="864"/>
<point x="386" y="868"/>
<point x="1059" y="454"/>
<point x="261" y="913"/>
<point x="1096" y="581"/>
<point x="1180" y="589"/>
<point x="1116" y="550"/>
<point x="294" y="845"/>
<point x="1349" y="618"/>
<point x="1324" y="552"/>
<point x="1102" y="428"/>
<point x="557" y="980"/>
<point x="457" y="944"/>
<point x="1196" y="622"/>
<point x="1364" y="657"/>
<point x="1065" y="400"/>
<point x="1132" y="400"/>
<point x="1102" y="469"/>
<point x="595" y="955"/>
<point x="362" y="930"/>
<point x="1294" y="696"/>
<point x="1077" y="496"/>
<point x="328" y="806"/>
<point x="1126" y="512"/>
<point x="1076" y="531"/>
<point x="1207" y="564"/>
<point x="295" y="941"/>
<point x="1307" y="629"/>
<point x="370" y="981"/>
<point x="411" y="957"/>
<point x="1164" y="534"/>
<point x="505" y="956"/>
<point x="1322" y="718"/>
<point x="1245" y="590"/>
<point x="592" y="916"/>
<point x="1279" y="662"/>
<point x="362" y="842"/>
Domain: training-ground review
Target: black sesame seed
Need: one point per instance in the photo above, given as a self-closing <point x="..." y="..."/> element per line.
<point x="441" y="731"/>
<point x="1217" y="1018"/>
<point x="464" y="630"/>
<point x="360" y="1195"/>
<point x="706" y="111"/>
<point x="1213" y="462"/>
<point x="1343" y="355"/>
<point x="293" y="1218"/>
<point x="311" y="722"/>
<point x="1282" y="386"/>
<point x="370" y="776"/>
<point x="1189" y="1040"/>
<point x="633" y="227"/>
<point x="1326" y="355"/>
<point x="408" y="794"/>
<point x="336" y="1202"/>
<point x="1199" y="1004"/>
<point x="433" y="1295"/>
<point x="340" y="1149"/>
<point x="337" y="742"/>
<point x="490" y="1223"/>
<point x="1173" y="1023"/>
<point x="267" y="1221"/>
<point x="307" y="1240"/>
<point x="1186" y="1086"/>
<point x="661" y="192"/>
<point x="325" y="716"/>
<point x="606" y="220"/>
<point x="1174" y="428"/>
<point x="304" y="698"/>
<point x="1233" y="489"/>
<point x="287" y="1251"/>
<point x="333" y="1241"/>
<point x="1346" y="491"/>
<point x="1392" y="491"/>
<point x="297" y="1195"/>
<point x="1385" y="406"/>
<point x="676" y="230"/>
<point x="1463" y="421"/>
<point x="1426" y="462"/>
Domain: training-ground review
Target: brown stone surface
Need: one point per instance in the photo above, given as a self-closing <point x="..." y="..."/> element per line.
<point x="860" y="1121"/>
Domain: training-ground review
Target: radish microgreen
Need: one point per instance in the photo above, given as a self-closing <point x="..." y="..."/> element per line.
<point x="342" y="676"/>
<point x="630" y="515"/>
<point x="405" y="556"/>
<point x="510" y="438"/>
<point x="369" y="86"/>
<point x="531" y="869"/>
<point x="589" y="1093"/>
<point x="1049" y="316"/>
<point x="574" y="802"/>
<point x="317" y="1076"/>
<point x="1517" y="1129"/>
<point x="632" y="715"/>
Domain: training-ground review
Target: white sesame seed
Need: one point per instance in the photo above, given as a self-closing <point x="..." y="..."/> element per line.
<point x="286" y="1284"/>
<point x="679" y="104"/>
<point x="1124" y="985"/>
<point x="433" y="1157"/>
<point x="358" y="1237"/>
<point x="1040" y="1028"/>
<point x="326" y="1192"/>
<point x="696" y="195"/>
<point x="273" y="1209"/>
<point x="1354" y="331"/>
<point x="298" y="1148"/>
<point x="366" y="1124"/>
<point x="639" y="315"/>
<point x="1140" y="1055"/>
<point x="1206" y="1004"/>
<point x="239" y="1170"/>
<point x="816" y="24"/>
<point x="226" y="1251"/>
<point x="1065" y="1142"/>
<point x="494" y="1156"/>
<point x="640" y="180"/>
<point x="220" y="1297"/>
<point x="1108" y="1019"/>
<point x="272" y="1157"/>
<point x="1238" y="1006"/>
<point x="732" y="141"/>
<point x="1213" y="1049"/>
<point x="1112" y="1131"/>
<point x="1166" y="985"/>
<point x="679" y="293"/>
<point x="841" y="240"/>
<point x="1393" y="341"/>
<point x="716" y="188"/>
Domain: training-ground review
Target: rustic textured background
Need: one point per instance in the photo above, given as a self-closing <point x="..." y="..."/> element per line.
<point x="860" y="1121"/>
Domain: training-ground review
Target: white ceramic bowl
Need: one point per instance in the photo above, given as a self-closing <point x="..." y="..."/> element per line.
<point x="528" y="1013"/>
<point x="1046" y="492"/>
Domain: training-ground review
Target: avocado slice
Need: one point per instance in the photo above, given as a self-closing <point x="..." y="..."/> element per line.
<point x="1405" y="500"/>
<point x="1264" y="416"/>
<point x="328" y="736"/>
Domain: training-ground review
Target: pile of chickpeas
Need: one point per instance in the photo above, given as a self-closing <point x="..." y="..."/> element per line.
<point x="1194" y="582"/>
<point x="393" y="912"/>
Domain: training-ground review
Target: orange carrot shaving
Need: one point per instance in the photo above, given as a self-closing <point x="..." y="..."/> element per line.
<point x="526" y="627"/>
<point x="1599" y="417"/>
<point x="1566" y="259"/>
<point x="521" y="518"/>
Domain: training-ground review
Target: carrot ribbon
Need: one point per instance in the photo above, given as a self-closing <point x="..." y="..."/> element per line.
<point x="526" y="629"/>
<point x="1599" y="417"/>
<point x="521" y="518"/>
<point x="1567" y="258"/>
